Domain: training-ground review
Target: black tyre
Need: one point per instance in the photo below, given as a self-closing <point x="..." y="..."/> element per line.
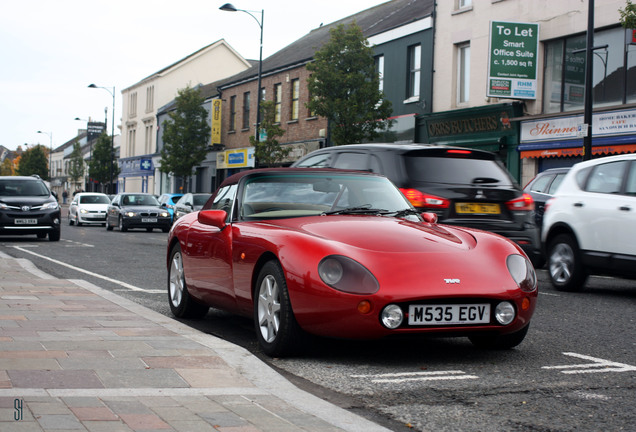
<point x="122" y="226"/>
<point x="494" y="341"/>
<point x="148" y="229"/>
<point x="181" y="303"/>
<point x="165" y="229"/>
<point x="70" y="221"/>
<point x="565" y="266"/>
<point x="277" y="331"/>
<point x="108" y="225"/>
<point x="54" y="235"/>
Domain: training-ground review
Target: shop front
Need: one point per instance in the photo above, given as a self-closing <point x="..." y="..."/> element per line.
<point x="554" y="142"/>
<point x="485" y="128"/>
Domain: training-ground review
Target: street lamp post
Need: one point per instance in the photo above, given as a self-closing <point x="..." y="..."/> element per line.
<point x="112" y="135"/>
<point x="230" y="8"/>
<point x="50" y="134"/>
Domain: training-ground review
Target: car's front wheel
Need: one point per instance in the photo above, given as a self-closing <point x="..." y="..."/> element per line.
<point x="181" y="303"/>
<point x="494" y="341"/>
<point x="565" y="265"/>
<point x="54" y="235"/>
<point x="109" y="227"/>
<point x="277" y="331"/>
<point x="122" y="226"/>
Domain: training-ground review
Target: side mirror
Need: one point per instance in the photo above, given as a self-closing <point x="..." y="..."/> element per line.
<point x="215" y="218"/>
<point x="429" y="217"/>
<point x="163" y="205"/>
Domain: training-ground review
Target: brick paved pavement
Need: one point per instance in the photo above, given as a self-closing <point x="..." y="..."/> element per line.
<point x="75" y="357"/>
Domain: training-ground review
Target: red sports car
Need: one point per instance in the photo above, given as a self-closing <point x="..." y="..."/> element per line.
<point x="343" y="254"/>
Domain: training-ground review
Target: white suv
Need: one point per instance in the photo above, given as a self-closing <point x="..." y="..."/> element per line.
<point x="589" y="226"/>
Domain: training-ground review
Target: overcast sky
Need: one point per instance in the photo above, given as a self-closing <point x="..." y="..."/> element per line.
<point x="51" y="50"/>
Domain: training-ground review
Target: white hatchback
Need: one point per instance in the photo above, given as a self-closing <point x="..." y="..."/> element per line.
<point x="589" y="226"/>
<point x="88" y="208"/>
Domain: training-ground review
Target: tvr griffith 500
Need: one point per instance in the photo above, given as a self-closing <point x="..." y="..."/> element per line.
<point x="344" y="254"/>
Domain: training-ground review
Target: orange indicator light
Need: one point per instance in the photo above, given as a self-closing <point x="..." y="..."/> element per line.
<point x="525" y="304"/>
<point x="364" y="307"/>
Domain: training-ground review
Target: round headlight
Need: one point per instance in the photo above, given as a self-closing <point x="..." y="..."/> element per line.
<point x="347" y="275"/>
<point x="505" y="313"/>
<point x="522" y="272"/>
<point x="130" y="214"/>
<point x="330" y="271"/>
<point x="392" y="316"/>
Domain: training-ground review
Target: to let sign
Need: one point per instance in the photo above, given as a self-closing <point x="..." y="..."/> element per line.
<point x="512" y="64"/>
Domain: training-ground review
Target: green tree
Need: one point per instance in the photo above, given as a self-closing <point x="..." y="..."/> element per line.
<point x="76" y="166"/>
<point x="6" y="168"/>
<point x="99" y="168"/>
<point x="34" y="161"/>
<point x="628" y="15"/>
<point x="186" y="135"/>
<point x="344" y="86"/>
<point x="269" y="152"/>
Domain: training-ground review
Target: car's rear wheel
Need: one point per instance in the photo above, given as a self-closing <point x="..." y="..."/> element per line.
<point x="122" y="226"/>
<point x="495" y="341"/>
<point x="565" y="265"/>
<point x="181" y="303"/>
<point x="277" y="331"/>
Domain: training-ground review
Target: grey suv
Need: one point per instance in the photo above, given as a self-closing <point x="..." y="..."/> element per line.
<point x="27" y="206"/>
<point x="462" y="186"/>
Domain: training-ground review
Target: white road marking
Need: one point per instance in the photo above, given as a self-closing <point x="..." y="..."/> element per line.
<point x="597" y="365"/>
<point x="106" y="278"/>
<point x="401" y="377"/>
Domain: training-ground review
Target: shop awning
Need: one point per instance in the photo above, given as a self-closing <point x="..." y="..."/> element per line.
<point x="564" y="148"/>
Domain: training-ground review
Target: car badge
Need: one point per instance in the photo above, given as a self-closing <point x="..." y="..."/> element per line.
<point x="452" y="281"/>
<point x="480" y="194"/>
<point x="26" y="208"/>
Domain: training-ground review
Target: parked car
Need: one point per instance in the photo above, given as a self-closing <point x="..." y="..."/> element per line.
<point x="542" y="187"/>
<point x="462" y="186"/>
<point x="190" y="202"/>
<point x="137" y="210"/>
<point x="27" y="206"/>
<point x="168" y="201"/>
<point x="88" y="208"/>
<point x="343" y="254"/>
<point x="589" y="226"/>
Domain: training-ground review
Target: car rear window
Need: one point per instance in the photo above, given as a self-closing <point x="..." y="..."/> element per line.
<point x="456" y="170"/>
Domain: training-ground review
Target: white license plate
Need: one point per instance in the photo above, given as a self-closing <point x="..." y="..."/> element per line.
<point x="449" y="314"/>
<point x="149" y="219"/>
<point x="25" y="221"/>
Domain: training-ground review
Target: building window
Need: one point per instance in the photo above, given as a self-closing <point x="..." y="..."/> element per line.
<point x="415" y="64"/>
<point x="246" y="110"/>
<point x="379" y="69"/>
<point x="463" y="73"/>
<point x="150" y="98"/>
<point x="278" y="97"/>
<point x="613" y="75"/>
<point x="295" y="96"/>
<point x="461" y="4"/>
<point x="132" y="136"/>
<point x="148" y="139"/>
<point x="232" y="113"/>
<point x="132" y="104"/>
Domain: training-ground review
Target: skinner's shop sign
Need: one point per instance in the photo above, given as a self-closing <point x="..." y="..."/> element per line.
<point x="512" y="64"/>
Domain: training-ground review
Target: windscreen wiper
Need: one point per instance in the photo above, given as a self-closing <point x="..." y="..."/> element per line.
<point x="355" y="210"/>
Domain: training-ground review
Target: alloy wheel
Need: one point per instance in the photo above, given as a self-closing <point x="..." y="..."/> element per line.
<point x="269" y="308"/>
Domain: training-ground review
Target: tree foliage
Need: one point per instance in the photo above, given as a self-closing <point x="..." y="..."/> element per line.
<point x="76" y="165"/>
<point x="6" y="168"/>
<point x="101" y="160"/>
<point x="269" y="152"/>
<point x="185" y="135"/>
<point x="628" y="15"/>
<point x="34" y="161"/>
<point x="344" y="87"/>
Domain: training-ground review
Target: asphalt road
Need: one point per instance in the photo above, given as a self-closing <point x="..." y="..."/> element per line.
<point x="576" y="370"/>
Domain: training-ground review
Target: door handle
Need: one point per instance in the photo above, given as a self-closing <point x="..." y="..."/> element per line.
<point x="578" y="204"/>
<point x="625" y="208"/>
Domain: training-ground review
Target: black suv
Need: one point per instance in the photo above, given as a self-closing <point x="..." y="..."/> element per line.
<point x="462" y="186"/>
<point x="27" y="206"/>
